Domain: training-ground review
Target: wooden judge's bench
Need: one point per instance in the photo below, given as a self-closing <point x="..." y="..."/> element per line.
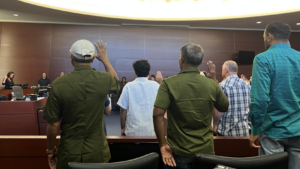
<point x="20" y="117"/>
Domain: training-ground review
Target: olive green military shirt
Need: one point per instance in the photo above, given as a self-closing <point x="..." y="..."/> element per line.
<point x="189" y="99"/>
<point x="78" y="99"/>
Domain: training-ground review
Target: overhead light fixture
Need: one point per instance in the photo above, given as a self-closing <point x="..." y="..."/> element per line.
<point x="162" y="10"/>
<point x="16" y="14"/>
<point x="297" y="23"/>
<point x="258" y="22"/>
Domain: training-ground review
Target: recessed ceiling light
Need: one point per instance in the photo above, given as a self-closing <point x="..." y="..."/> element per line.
<point x="297" y="23"/>
<point x="16" y="15"/>
<point x="258" y="22"/>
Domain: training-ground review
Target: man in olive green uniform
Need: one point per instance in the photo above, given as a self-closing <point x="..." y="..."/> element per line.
<point x="78" y="99"/>
<point x="189" y="99"/>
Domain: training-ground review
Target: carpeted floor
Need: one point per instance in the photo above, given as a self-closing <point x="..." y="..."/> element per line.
<point x="112" y="121"/>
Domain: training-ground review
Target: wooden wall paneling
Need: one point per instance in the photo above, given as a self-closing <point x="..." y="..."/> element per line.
<point x="248" y="41"/>
<point x="106" y="31"/>
<point x="64" y="36"/>
<point x="166" y="33"/>
<point x="130" y="75"/>
<point x="57" y="65"/>
<point x="113" y="63"/>
<point x="218" y="47"/>
<point x="295" y="40"/>
<point x="25" y="49"/>
<point x="26" y="28"/>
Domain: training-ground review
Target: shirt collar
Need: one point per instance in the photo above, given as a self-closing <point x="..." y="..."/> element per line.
<point x="280" y="45"/>
<point x="190" y="70"/>
<point x="232" y="76"/>
<point x="141" y="79"/>
<point x="83" y="67"/>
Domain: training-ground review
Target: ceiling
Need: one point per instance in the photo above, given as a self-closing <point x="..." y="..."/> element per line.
<point x="37" y="14"/>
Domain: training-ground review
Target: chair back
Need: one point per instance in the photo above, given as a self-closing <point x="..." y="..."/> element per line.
<point x="273" y="161"/>
<point x="18" y="91"/>
<point x="148" y="161"/>
<point x="3" y="98"/>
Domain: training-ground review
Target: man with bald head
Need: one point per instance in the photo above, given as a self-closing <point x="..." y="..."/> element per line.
<point x="234" y="122"/>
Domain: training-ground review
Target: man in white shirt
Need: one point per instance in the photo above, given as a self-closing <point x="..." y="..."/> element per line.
<point x="136" y="102"/>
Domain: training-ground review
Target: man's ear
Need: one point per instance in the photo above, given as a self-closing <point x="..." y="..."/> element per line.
<point x="182" y="60"/>
<point x="270" y="37"/>
<point x="71" y="56"/>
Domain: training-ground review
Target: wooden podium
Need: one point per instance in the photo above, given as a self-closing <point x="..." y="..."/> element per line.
<point x="20" y="117"/>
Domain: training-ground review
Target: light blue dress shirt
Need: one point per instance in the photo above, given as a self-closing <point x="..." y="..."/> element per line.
<point x="138" y="99"/>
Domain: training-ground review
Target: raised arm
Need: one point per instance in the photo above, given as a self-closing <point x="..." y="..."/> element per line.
<point x="102" y="57"/>
<point x="4" y="80"/>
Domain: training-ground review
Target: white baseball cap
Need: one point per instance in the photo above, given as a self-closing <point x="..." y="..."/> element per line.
<point x="83" y="49"/>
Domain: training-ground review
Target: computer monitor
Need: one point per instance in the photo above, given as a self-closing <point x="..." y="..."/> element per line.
<point x="11" y="85"/>
<point x="41" y="92"/>
<point x="43" y="87"/>
<point x="25" y="86"/>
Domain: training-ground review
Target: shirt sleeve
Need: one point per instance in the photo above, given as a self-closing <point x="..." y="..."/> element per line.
<point x="49" y="82"/>
<point x="52" y="109"/>
<point x="114" y="85"/>
<point x="39" y="82"/>
<point x="163" y="96"/>
<point x="3" y="83"/>
<point x="124" y="99"/>
<point x="260" y="90"/>
<point x="221" y="101"/>
<point x="107" y="102"/>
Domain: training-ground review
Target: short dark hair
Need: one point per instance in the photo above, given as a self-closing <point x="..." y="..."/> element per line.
<point x="82" y="60"/>
<point x="141" y="68"/>
<point x="193" y="54"/>
<point x="153" y="76"/>
<point x="280" y="30"/>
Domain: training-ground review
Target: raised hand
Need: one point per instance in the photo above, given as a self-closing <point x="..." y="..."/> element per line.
<point x="159" y="77"/>
<point x="101" y="51"/>
<point x="5" y="76"/>
<point x="211" y="73"/>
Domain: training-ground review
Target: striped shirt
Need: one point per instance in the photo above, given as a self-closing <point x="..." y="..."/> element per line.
<point x="234" y="122"/>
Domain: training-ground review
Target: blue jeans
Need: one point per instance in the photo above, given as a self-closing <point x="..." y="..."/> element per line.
<point x="181" y="162"/>
<point x="290" y="145"/>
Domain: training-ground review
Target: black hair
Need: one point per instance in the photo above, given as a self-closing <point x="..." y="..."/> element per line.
<point x="141" y="68"/>
<point x="280" y="30"/>
<point x="153" y="76"/>
<point x="124" y="77"/>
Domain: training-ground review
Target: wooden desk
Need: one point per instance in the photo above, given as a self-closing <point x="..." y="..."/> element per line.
<point x="20" y="117"/>
<point x="29" y="151"/>
<point x="7" y="93"/>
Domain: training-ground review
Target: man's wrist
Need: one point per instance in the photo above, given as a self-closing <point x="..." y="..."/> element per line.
<point x="51" y="151"/>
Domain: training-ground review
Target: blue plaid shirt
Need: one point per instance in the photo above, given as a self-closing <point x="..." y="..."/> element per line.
<point x="275" y="93"/>
<point x="234" y="122"/>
